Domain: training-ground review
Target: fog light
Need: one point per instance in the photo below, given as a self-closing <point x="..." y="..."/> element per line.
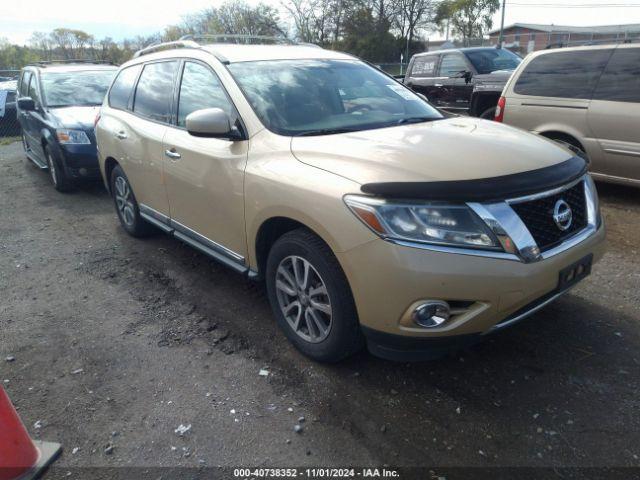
<point x="83" y="172"/>
<point x="432" y="313"/>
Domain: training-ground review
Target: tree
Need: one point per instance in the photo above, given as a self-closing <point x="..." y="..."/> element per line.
<point x="468" y="18"/>
<point x="410" y="16"/>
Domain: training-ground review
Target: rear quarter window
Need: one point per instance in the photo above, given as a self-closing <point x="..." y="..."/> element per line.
<point x="424" y="66"/>
<point x="571" y="74"/>
<point x="122" y="87"/>
<point x="620" y="81"/>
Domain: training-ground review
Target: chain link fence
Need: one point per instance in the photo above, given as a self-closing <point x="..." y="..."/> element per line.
<point x="9" y="126"/>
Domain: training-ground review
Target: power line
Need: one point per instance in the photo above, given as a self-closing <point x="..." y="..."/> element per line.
<point x="576" y="5"/>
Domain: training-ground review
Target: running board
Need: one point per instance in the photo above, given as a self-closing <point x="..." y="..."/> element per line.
<point x="32" y="157"/>
<point x="166" y="225"/>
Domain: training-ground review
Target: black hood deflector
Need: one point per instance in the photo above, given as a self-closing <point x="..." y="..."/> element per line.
<point x="483" y="189"/>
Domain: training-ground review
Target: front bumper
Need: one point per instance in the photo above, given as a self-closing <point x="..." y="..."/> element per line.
<point x="80" y="161"/>
<point x="386" y="290"/>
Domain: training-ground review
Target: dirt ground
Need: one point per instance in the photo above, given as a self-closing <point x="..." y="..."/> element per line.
<point x="118" y="342"/>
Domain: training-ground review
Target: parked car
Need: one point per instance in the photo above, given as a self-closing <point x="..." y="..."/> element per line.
<point x="588" y="98"/>
<point x="370" y="216"/>
<point x="57" y="106"/>
<point x="9" y="126"/>
<point x="463" y="80"/>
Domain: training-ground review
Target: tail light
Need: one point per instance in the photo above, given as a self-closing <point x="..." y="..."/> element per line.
<point x="502" y="103"/>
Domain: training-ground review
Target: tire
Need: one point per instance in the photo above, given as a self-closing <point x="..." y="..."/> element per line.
<point x="127" y="206"/>
<point x="489" y="113"/>
<point x="342" y="336"/>
<point x="57" y="175"/>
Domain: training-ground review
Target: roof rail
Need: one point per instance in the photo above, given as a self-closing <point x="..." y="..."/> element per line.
<point x="157" y="46"/>
<point x="205" y="39"/>
<point x="591" y="43"/>
<point x="45" y="63"/>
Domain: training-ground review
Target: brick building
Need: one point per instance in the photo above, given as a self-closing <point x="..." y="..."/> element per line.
<point x="528" y="37"/>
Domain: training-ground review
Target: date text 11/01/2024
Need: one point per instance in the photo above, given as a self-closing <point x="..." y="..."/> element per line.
<point x="246" y="473"/>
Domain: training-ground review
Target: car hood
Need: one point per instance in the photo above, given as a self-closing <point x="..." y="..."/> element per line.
<point x="81" y="118"/>
<point x="460" y="148"/>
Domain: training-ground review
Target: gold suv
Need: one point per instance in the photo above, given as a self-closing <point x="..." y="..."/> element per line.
<point x="585" y="97"/>
<point x="372" y="218"/>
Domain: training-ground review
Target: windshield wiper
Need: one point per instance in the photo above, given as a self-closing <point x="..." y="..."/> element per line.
<point x="404" y="121"/>
<point x="326" y="131"/>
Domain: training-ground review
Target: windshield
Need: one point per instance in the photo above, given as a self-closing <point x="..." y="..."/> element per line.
<point x="320" y="97"/>
<point x="492" y="59"/>
<point x="78" y="88"/>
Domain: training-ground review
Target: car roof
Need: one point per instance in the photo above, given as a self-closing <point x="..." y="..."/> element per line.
<point x="582" y="48"/>
<point x="247" y="53"/>
<point x="72" y="67"/>
<point x="453" y="50"/>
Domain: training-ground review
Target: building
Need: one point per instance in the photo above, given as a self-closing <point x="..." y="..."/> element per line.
<point x="528" y="37"/>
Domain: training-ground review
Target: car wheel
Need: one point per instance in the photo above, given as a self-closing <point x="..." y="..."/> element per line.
<point x="58" y="178"/>
<point x="489" y="113"/>
<point x="127" y="206"/>
<point x="311" y="298"/>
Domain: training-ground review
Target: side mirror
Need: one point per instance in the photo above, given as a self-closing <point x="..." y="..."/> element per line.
<point x="212" y="123"/>
<point x="27" y="104"/>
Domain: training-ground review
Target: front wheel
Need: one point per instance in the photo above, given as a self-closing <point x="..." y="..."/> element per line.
<point x="311" y="298"/>
<point x="127" y="206"/>
<point x="57" y="175"/>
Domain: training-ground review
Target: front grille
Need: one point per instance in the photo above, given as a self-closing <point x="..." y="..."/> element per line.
<point x="537" y="215"/>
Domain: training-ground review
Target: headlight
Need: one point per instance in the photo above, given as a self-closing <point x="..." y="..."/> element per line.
<point x="435" y="222"/>
<point x="68" y="137"/>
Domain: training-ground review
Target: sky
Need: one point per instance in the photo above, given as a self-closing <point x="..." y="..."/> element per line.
<point x="127" y="18"/>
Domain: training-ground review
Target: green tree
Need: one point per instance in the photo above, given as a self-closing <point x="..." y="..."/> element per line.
<point x="468" y="19"/>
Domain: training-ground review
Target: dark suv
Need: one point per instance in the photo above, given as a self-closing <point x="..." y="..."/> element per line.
<point x="466" y="80"/>
<point x="57" y="106"/>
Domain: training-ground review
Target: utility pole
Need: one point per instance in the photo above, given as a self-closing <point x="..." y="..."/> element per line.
<point x="501" y="38"/>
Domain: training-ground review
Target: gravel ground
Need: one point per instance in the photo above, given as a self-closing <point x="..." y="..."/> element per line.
<point x="118" y="342"/>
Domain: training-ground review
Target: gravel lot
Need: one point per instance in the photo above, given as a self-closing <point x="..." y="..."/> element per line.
<point x="118" y="342"/>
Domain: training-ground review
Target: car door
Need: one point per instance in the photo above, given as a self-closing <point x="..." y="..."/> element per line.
<point x="614" y="115"/>
<point x="32" y="120"/>
<point x="456" y="89"/>
<point x="205" y="176"/>
<point x="421" y="76"/>
<point x="142" y="134"/>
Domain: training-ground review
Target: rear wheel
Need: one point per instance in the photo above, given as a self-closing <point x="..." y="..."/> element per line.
<point x="489" y="113"/>
<point x="57" y="175"/>
<point x="311" y="298"/>
<point x="127" y="206"/>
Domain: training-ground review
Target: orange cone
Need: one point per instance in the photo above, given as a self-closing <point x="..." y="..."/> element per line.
<point x="20" y="457"/>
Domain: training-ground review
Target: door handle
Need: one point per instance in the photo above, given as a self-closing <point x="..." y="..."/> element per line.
<point x="172" y="154"/>
<point x="121" y="135"/>
<point x="438" y="85"/>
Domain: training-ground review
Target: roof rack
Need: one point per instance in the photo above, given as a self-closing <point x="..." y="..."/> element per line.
<point x="46" y="63"/>
<point x="158" y="46"/>
<point x="591" y="43"/>
<point x="205" y="39"/>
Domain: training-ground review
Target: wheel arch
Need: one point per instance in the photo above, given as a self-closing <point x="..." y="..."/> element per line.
<point x="109" y="164"/>
<point x="271" y="229"/>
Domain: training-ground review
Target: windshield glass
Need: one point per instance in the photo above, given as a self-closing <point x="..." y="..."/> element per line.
<point x="492" y="59"/>
<point x="78" y="88"/>
<point x="319" y="97"/>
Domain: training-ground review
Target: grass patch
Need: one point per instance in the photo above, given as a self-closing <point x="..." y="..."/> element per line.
<point x="8" y="140"/>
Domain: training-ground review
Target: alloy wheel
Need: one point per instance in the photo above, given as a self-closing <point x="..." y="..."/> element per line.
<point x="303" y="299"/>
<point x="124" y="201"/>
<point x="53" y="173"/>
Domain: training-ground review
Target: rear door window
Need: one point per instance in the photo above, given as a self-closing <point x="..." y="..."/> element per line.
<point x="620" y="81"/>
<point x="563" y="74"/>
<point x="123" y="87"/>
<point x="424" y="66"/>
<point x="154" y="93"/>
<point x="452" y="64"/>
